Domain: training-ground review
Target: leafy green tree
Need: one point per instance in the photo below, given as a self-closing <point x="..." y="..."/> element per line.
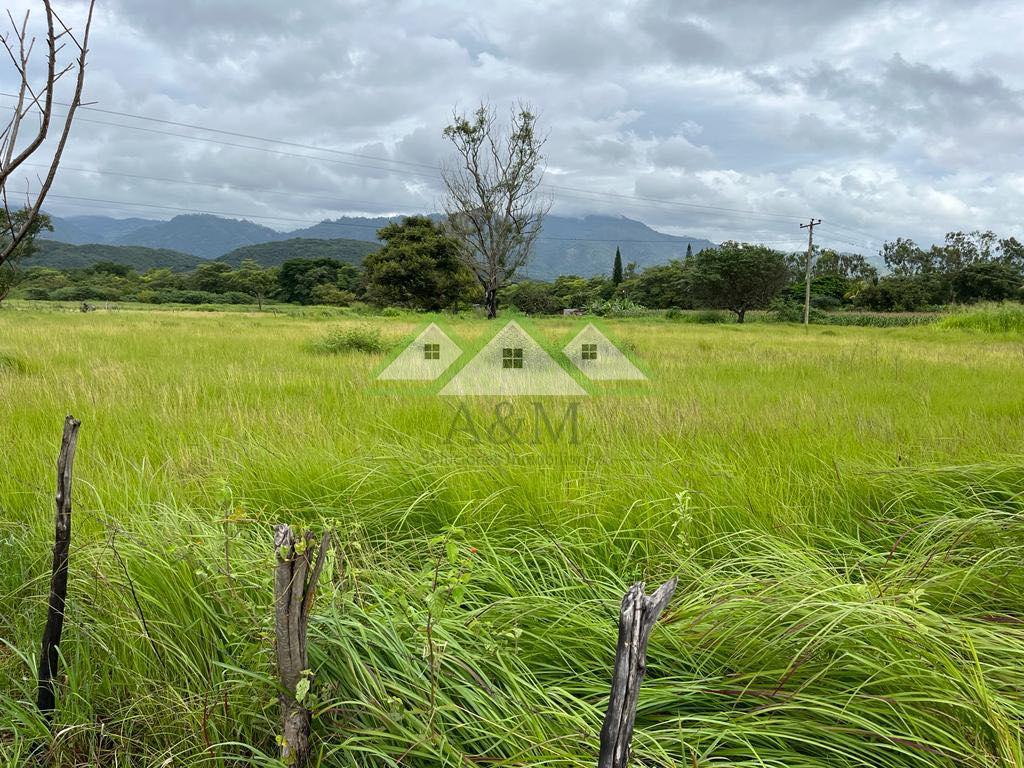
<point x="1011" y="251"/>
<point x="214" y="277"/>
<point x="419" y="267"/>
<point x="617" y="267"/>
<point x="903" y="257"/>
<point x="900" y="293"/>
<point x="24" y="250"/>
<point x="738" y="276"/>
<point x="297" y="278"/>
<point x="849" y="266"/>
<point x="578" y="292"/>
<point x="252" y="279"/>
<point x="662" y="286"/>
<point x="988" y="281"/>
<point x="534" y="297"/>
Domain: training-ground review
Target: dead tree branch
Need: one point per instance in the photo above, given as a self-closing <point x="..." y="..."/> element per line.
<point x="48" y="656"/>
<point x="494" y="207"/>
<point x="33" y="100"/>
<point x="637" y="618"/>
<point x="295" y="580"/>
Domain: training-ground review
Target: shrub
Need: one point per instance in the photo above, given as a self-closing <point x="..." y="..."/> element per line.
<point x="390" y="312"/>
<point x="711" y="316"/>
<point x="360" y="338"/>
<point x="179" y="297"/>
<point x="236" y="297"/>
<point x="86" y="293"/>
<point x="35" y="294"/>
<point x="617" y="307"/>
<point x="331" y="295"/>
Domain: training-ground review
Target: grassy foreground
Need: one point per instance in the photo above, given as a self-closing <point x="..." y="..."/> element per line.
<point x="843" y="507"/>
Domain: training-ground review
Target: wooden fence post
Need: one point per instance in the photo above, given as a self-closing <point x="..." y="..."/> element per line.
<point x="637" y="617"/>
<point x="48" y="655"/>
<point x="295" y="578"/>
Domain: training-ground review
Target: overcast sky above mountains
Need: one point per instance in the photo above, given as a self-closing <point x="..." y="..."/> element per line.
<point x="882" y="118"/>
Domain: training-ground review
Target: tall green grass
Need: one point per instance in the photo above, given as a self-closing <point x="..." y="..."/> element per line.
<point x="989" y="318"/>
<point x="843" y="511"/>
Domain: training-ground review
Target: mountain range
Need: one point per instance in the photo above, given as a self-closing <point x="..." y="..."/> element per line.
<point x="581" y="246"/>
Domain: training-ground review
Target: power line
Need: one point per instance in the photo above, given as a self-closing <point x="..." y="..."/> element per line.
<point x="565" y="191"/>
<point x="213" y="185"/>
<point x="431" y="176"/>
<point x="236" y="134"/>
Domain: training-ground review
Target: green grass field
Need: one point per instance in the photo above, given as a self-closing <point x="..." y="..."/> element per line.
<point x="843" y="507"/>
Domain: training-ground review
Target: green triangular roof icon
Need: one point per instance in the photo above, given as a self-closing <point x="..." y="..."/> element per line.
<point x="599" y="359"/>
<point x="427" y="357"/>
<point x="512" y="364"/>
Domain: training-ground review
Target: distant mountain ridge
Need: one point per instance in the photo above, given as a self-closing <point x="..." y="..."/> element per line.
<point x="567" y="245"/>
<point x="57" y="255"/>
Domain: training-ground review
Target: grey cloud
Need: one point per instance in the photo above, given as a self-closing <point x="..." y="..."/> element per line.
<point x="893" y="117"/>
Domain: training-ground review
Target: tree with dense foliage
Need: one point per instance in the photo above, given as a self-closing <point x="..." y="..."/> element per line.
<point x="29" y="225"/>
<point x="533" y="297"/>
<point x="966" y="267"/>
<point x="494" y="207"/>
<point x="617" y="267"/>
<point x="250" y="278"/>
<point x="297" y="279"/>
<point x="902" y="256"/>
<point x="212" y="277"/>
<point x="689" y="250"/>
<point x="662" y="286"/>
<point x="738" y="276"/>
<point x="418" y="267"/>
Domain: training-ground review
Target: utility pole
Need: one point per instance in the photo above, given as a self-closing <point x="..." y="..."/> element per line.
<point x="807" y="275"/>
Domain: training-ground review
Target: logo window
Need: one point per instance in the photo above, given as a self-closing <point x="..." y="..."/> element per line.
<point x="589" y="352"/>
<point x="431" y="351"/>
<point x="512" y="357"/>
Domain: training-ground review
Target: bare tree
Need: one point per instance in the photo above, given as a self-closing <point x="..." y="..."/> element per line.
<point x="65" y="53"/>
<point x="494" y="205"/>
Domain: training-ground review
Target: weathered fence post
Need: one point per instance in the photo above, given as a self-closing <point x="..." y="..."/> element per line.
<point x="48" y="655"/>
<point x="295" y="579"/>
<point x="637" y="617"/>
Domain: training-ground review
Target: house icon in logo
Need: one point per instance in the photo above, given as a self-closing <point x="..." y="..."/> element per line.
<point x="599" y="359"/>
<point x="512" y="364"/>
<point x="428" y="356"/>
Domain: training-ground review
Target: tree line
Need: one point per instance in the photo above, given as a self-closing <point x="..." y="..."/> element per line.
<point x="419" y="268"/>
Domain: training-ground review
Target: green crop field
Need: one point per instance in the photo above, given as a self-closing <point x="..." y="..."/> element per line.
<point x="843" y="506"/>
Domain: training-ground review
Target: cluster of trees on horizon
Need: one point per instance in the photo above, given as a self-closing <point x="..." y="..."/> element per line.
<point x="494" y="213"/>
<point x="419" y="268"/>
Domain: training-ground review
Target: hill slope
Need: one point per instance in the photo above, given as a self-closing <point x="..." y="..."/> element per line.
<point x="567" y="245"/>
<point x="70" y="256"/>
<point x="277" y="253"/>
<point x="93" y="229"/>
<point x="586" y="246"/>
<point x="583" y="246"/>
<point x="200" y="234"/>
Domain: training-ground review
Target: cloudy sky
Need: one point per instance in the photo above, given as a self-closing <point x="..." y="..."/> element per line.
<point x="715" y="119"/>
